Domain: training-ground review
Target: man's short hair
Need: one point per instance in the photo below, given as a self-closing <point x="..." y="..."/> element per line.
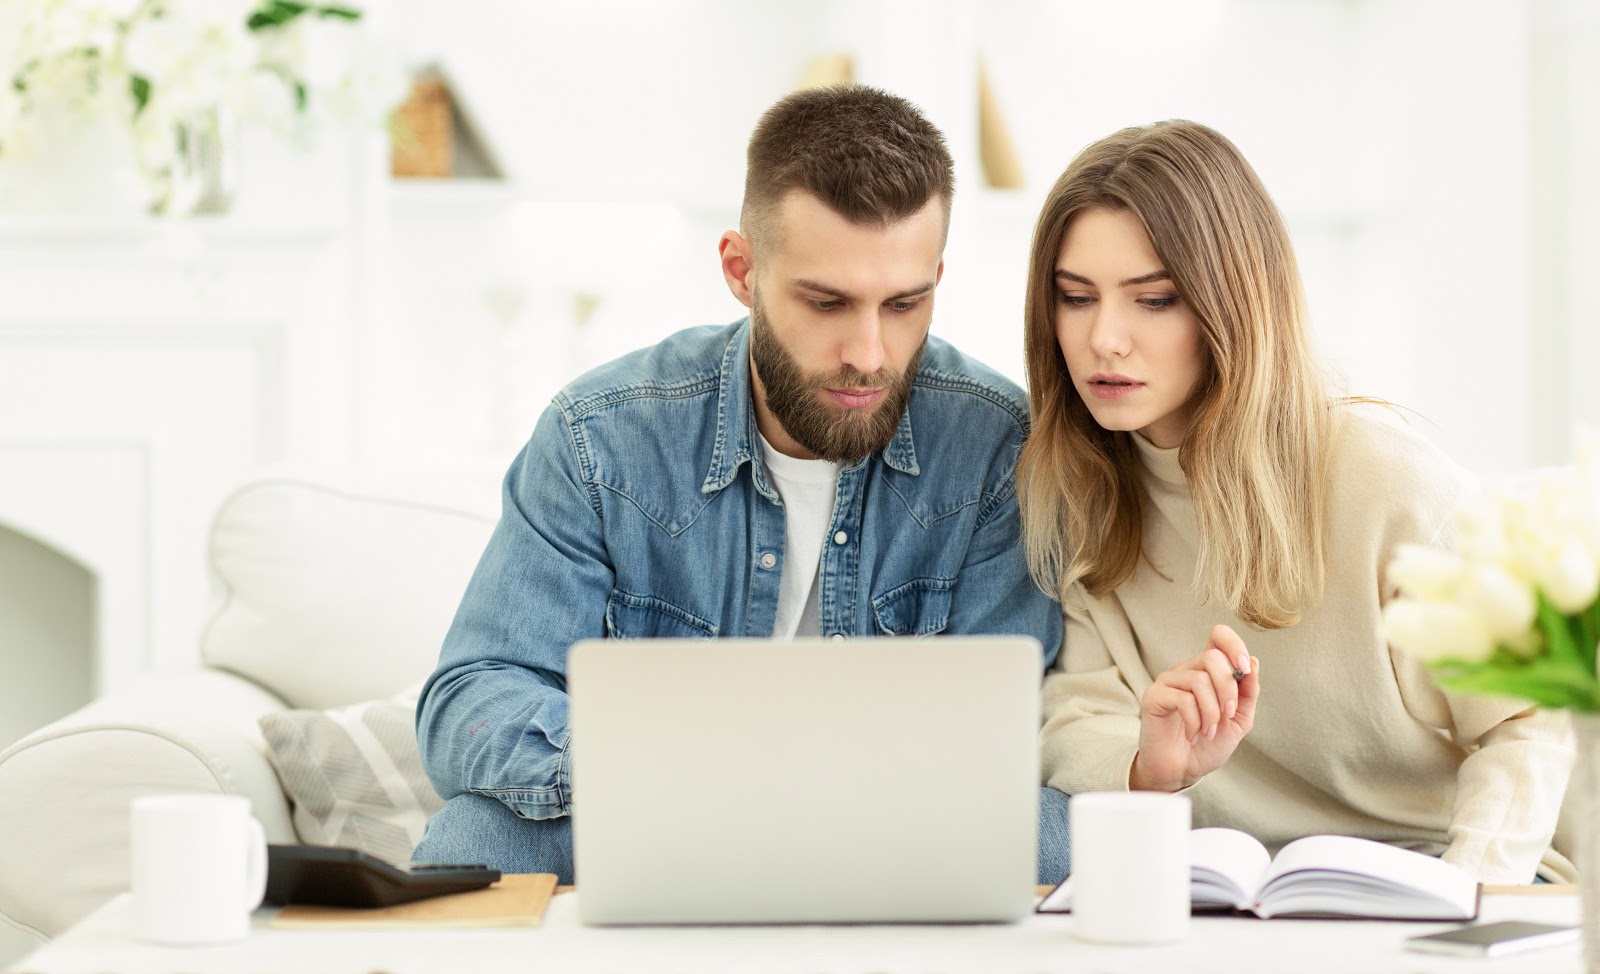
<point x="869" y="156"/>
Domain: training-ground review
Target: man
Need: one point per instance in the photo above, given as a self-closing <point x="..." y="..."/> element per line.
<point x="820" y="468"/>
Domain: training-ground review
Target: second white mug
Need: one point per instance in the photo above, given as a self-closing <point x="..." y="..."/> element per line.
<point x="1130" y="867"/>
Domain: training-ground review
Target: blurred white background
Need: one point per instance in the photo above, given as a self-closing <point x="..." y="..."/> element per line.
<point x="1431" y="158"/>
<point x="1435" y="160"/>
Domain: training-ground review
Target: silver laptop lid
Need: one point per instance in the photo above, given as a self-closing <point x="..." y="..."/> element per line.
<point x="752" y="781"/>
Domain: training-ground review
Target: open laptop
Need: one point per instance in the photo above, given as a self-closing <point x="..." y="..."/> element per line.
<point x="813" y="781"/>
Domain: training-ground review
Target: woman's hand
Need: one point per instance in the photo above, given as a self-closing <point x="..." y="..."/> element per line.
<point x="1195" y="714"/>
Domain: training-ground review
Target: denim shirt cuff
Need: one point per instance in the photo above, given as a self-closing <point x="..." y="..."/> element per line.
<point x="539" y="803"/>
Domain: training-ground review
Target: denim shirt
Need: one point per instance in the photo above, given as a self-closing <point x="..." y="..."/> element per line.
<point x="641" y="508"/>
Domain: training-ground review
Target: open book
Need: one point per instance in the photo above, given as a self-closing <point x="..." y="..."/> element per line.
<point x="1318" y="876"/>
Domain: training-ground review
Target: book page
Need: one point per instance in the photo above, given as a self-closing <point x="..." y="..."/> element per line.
<point x="1340" y="875"/>
<point x="1058" y="900"/>
<point x="1226" y="867"/>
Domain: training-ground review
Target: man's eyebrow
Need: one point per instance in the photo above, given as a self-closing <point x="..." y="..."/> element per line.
<point x="1150" y="278"/>
<point x="805" y="285"/>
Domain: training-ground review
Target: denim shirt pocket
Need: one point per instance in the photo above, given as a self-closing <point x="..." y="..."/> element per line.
<point x="920" y="607"/>
<point x="630" y="616"/>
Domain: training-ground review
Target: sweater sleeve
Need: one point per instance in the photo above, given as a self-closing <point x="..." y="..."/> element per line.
<point x="1091" y="699"/>
<point x="1508" y="790"/>
<point x="1510" y="784"/>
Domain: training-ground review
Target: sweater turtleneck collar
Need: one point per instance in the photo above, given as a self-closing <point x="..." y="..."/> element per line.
<point x="1161" y="463"/>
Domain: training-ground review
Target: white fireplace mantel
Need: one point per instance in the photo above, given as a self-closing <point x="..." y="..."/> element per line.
<point x="145" y="366"/>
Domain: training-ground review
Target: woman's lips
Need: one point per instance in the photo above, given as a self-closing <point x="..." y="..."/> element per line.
<point x="1114" y="390"/>
<point x="852" y="399"/>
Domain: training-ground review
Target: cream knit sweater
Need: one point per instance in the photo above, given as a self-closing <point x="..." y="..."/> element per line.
<point x="1350" y="737"/>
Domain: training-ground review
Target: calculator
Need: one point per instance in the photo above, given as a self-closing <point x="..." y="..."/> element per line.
<point x="335" y="876"/>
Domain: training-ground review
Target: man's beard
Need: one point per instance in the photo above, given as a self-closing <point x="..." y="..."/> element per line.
<point x="797" y="400"/>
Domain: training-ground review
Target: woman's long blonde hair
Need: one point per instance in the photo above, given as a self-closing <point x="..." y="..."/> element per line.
<point x="1255" y="452"/>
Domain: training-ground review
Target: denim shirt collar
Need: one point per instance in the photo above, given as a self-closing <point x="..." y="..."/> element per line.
<point x="736" y="427"/>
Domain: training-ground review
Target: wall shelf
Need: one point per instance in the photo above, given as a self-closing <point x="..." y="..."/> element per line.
<point x="448" y="194"/>
<point x="20" y="237"/>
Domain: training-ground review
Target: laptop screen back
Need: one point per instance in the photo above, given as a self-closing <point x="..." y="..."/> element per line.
<point x="753" y="781"/>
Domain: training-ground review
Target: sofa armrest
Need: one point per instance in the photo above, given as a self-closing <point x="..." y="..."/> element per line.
<point x="65" y="789"/>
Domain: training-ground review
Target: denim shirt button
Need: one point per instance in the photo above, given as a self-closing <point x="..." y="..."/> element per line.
<point x="768" y="560"/>
<point x="840" y="538"/>
<point x="837" y="637"/>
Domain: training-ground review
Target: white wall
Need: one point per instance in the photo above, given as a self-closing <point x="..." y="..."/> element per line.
<point x="1565" y="247"/>
<point x="1405" y="140"/>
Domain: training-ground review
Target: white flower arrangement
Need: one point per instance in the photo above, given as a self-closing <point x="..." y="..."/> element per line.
<point x="158" y="65"/>
<point x="1515" y="610"/>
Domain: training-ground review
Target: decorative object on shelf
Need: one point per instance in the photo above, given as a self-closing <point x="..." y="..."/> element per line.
<point x="996" y="153"/>
<point x="999" y="157"/>
<point x="829" y="69"/>
<point x="423" y="131"/>
<point x="1516" y="612"/>
<point x="435" y="137"/>
<point x="179" y="75"/>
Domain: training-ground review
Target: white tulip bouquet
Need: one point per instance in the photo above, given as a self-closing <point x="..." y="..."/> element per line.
<point x="1515" y="610"/>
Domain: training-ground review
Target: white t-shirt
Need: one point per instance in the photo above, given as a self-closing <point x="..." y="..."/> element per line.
<point x="808" y="488"/>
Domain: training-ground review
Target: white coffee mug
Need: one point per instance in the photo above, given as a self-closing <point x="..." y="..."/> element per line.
<point x="199" y="868"/>
<point x="1130" y="867"/>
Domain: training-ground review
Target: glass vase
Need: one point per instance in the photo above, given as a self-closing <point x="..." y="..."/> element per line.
<point x="1586" y="782"/>
<point x="203" y="177"/>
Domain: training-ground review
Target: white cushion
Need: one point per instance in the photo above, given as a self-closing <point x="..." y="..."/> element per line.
<point x="335" y="590"/>
<point x="354" y="775"/>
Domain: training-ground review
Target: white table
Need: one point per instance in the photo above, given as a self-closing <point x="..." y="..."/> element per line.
<point x="562" y="945"/>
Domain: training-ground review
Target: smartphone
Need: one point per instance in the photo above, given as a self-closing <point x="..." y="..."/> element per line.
<point x="1494" y="939"/>
<point x="332" y="876"/>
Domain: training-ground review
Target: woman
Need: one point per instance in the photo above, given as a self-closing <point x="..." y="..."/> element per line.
<point x="1217" y="527"/>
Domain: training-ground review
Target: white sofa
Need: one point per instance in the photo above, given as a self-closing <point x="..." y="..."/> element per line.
<point x="331" y="589"/>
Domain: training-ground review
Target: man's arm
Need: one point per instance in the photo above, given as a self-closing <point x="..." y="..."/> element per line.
<point x="994" y="593"/>
<point x="492" y="719"/>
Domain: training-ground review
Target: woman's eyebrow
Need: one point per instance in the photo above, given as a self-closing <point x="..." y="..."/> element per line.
<point x="1150" y="278"/>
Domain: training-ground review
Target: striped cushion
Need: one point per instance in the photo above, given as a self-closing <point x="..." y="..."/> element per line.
<point x="354" y="775"/>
